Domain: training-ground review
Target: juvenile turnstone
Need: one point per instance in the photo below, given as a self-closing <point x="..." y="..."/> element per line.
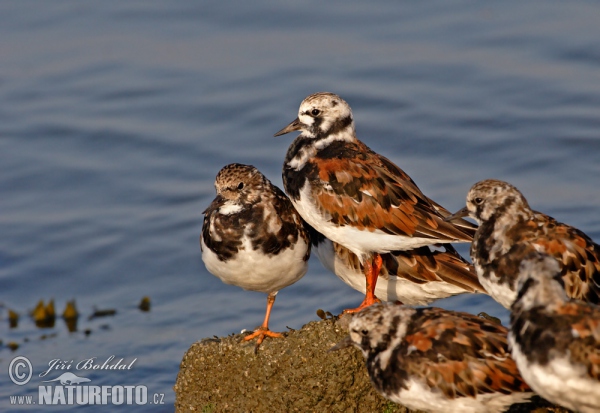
<point x="253" y="237"/>
<point x="437" y="360"/>
<point x="354" y="196"/>
<point x="509" y="230"/>
<point x="414" y="277"/>
<point x="555" y="341"/>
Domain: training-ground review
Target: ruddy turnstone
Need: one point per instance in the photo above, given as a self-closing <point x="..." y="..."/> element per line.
<point x="414" y="277"/>
<point x="437" y="360"/>
<point x="354" y="196"/>
<point x="509" y="230"/>
<point x="253" y="237"/>
<point x="555" y="340"/>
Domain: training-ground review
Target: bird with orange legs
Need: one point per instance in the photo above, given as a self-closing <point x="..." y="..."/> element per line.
<point x="354" y="196"/>
<point x="252" y="237"/>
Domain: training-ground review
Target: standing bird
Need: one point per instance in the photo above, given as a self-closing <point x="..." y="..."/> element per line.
<point x="555" y="341"/>
<point x="415" y="277"/>
<point x="437" y="360"/>
<point x="509" y="230"/>
<point x="253" y="237"/>
<point x="354" y="196"/>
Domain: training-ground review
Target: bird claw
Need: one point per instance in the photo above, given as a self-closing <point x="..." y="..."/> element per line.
<point x="261" y="333"/>
<point x="366" y="303"/>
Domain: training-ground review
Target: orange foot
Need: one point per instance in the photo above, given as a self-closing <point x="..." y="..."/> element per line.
<point x="366" y="302"/>
<point x="261" y="333"/>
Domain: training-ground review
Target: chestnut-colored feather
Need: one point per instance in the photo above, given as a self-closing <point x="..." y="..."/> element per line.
<point x="370" y="196"/>
<point x="477" y="359"/>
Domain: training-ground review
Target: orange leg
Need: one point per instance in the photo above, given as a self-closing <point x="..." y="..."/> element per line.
<point x="263" y="331"/>
<point x="372" y="269"/>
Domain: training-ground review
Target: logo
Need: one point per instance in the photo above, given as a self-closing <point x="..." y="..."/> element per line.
<point x="67" y="379"/>
<point x="17" y="368"/>
<point x="73" y="389"/>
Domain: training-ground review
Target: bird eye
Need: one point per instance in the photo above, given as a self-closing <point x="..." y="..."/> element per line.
<point x="315" y="112"/>
<point x="479" y="201"/>
<point x="240" y="185"/>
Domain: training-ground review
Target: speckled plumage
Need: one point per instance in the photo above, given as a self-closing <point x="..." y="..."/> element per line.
<point x="252" y="236"/>
<point x="437" y="360"/>
<point x="555" y="340"/>
<point x="354" y="196"/>
<point x="509" y="230"/>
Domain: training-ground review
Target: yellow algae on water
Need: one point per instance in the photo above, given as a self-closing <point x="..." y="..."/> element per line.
<point x="39" y="313"/>
<point x="145" y="304"/>
<point x="44" y="315"/>
<point x="13" y="318"/>
<point x="70" y="311"/>
<point x="50" y="312"/>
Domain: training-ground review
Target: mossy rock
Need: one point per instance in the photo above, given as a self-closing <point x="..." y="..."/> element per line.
<point x="293" y="374"/>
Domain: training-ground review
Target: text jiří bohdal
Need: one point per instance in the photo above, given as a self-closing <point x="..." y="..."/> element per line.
<point x="91" y="363"/>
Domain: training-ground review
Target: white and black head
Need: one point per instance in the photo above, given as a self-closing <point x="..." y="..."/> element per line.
<point x="377" y="328"/>
<point x="492" y="197"/>
<point x="540" y="283"/>
<point x="321" y="115"/>
<point x="236" y="185"/>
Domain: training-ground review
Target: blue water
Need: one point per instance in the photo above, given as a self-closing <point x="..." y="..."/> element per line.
<point x="116" y="116"/>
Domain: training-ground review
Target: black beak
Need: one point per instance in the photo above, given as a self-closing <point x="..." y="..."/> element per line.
<point x="294" y="126"/>
<point x="215" y="204"/>
<point x="346" y="342"/>
<point x="458" y="214"/>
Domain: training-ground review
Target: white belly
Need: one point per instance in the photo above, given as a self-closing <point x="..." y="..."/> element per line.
<point x="560" y="381"/>
<point x="254" y="271"/>
<point x="420" y="397"/>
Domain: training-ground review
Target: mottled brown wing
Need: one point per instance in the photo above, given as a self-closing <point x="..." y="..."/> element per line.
<point x="427" y="265"/>
<point x="461" y="354"/>
<point x="357" y="187"/>
<point x="421" y="265"/>
<point x="585" y="348"/>
<point x="578" y="255"/>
